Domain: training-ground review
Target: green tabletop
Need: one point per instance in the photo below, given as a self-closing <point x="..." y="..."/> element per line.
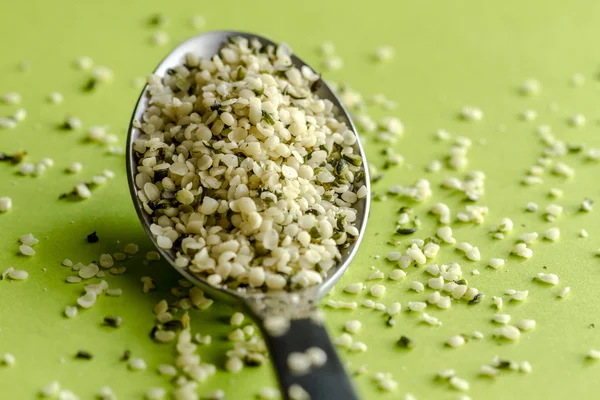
<point x="448" y="54"/>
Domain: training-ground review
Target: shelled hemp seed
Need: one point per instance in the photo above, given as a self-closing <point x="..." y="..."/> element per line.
<point x="5" y="204"/>
<point x="247" y="174"/>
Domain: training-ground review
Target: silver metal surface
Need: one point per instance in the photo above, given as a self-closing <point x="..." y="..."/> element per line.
<point x="205" y="46"/>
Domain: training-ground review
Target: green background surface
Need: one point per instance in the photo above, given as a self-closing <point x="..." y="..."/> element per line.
<point x="448" y="54"/>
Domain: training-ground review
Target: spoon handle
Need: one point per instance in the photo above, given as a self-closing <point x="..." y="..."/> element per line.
<point x="328" y="382"/>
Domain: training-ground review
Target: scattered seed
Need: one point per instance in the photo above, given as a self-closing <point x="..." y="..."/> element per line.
<point x="113" y="321"/>
<point x="377" y="290"/>
<point x="92" y="238"/>
<point x="70" y="311"/>
<point x="406" y="343"/>
<point x="456" y="341"/>
<point x="137" y="364"/>
<point x="83" y="355"/>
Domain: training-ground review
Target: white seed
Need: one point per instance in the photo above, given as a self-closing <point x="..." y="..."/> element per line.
<point x="433" y="298"/>
<point x="564" y="291"/>
<point x="344" y="340"/>
<point x="501" y="318"/>
<point x="299" y="363"/>
<point x="459" y="291"/>
<point x="137" y="364"/>
<point x="456" y="341"/>
<point x="471" y="113"/>
<point x="430" y="320"/>
<point x="433" y="269"/>
<point x="525" y="367"/>
<point x="352" y="326"/>
<point x="459" y="384"/>
<point x="75" y="168"/>
<point x="237" y="319"/>
<point x="276" y="325"/>
<point x="593" y="354"/>
<point x="167" y="370"/>
<point x="498" y="302"/>
<point x="152" y="256"/>
<point x="509" y="332"/>
<point x="106" y="261"/>
<point x="83" y="191"/>
<point x="377" y="290"/>
<point x="551" y="279"/>
<point x="297" y="392"/>
<point x="446" y="373"/>
<point x="51" y="389"/>
<point x="445" y="302"/>
<point x="28" y="239"/>
<point x="473" y="254"/>
<point x="131" y="248"/>
<point x="529" y="237"/>
<point x="384" y="53"/>
<point x="554" y="210"/>
<point x="234" y="365"/>
<point x="586" y="205"/>
<point x="526" y="324"/>
<point x="358" y="347"/>
<point x="114" y="292"/>
<point x="18" y="275"/>
<point x="160" y="38"/>
<point x="333" y="63"/>
<point x="354" y="288"/>
<point x="376" y="275"/>
<point x="521" y="250"/>
<point x="70" y="311"/>
<point x="519" y="295"/>
<point x="87" y="300"/>
<point x="530" y="87"/>
<point x="445" y="233"/>
<point x="506" y="225"/>
<point x="8" y="123"/>
<point x="529" y="115"/>
<point x="164" y="336"/>
<point x="416" y="254"/>
<point x="88" y="271"/>
<point x="416" y="306"/>
<point x="394" y="308"/>
<point x="397" y="274"/>
<point x="417" y="286"/>
<point x="26" y="250"/>
<point x="577" y="120"/>
<point x="488" y="370"/>
<point x="317" y="356"/>
<point x="552" y="234"/>
<point x="8" y="359"/>
<point x="436" y="283"/>
<point x="5" y="203"/>
<point x="55" y="98"/>
<point x="268" y="393"/>
<point x="10" y="98"/>
<point x="368" y="303"/>
<point x="156" y="393"/>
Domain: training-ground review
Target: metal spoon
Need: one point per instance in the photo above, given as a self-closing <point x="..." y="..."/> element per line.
<point x="329" y="381"/>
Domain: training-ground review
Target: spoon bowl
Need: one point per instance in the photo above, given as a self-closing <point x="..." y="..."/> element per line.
<point x="299" y="307"/>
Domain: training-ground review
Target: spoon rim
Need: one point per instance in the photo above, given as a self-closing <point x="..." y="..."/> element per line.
<point x="223" y="293"/>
